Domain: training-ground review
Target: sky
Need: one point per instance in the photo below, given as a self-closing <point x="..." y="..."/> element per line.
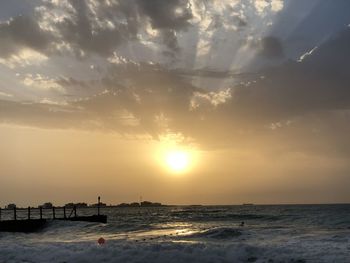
<point x="96" y="97"/>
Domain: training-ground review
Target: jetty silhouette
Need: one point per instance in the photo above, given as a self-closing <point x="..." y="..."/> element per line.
<point x="34" y="224"/>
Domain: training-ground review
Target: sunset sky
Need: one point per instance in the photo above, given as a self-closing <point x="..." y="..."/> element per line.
<point x="177" y="101"/>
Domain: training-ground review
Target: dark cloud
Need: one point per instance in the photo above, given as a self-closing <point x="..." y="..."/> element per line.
<point x="171" y="14"/>
<point x="170" y="41"/>
<point x="241" y="22"/>
<point x="168" y="16"/>
<point x="95" y="29"/>
<point x="79" y="31"/>
<point x="270" y="47"/>
<point x="22" y="31"/>
<point x="319" y="82"/>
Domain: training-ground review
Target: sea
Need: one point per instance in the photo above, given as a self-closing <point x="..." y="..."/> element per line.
<point x="270" y="234"/>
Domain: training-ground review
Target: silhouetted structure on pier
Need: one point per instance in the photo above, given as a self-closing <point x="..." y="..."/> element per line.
<point x="31" y="225"/>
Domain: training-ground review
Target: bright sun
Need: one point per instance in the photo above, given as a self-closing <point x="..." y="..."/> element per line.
<point x="177" y="161"/>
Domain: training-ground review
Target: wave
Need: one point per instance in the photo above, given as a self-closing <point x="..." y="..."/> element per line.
<point x="172" y="252"/>
<point x="217" y="233"/>
<point x="222" y="216"/>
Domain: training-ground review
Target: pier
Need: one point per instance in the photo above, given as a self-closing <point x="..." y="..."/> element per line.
<point x="35" y="219"/>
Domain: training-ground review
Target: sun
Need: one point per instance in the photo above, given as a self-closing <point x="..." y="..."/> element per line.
<point x="177" y="161"/>
<point x="175" y="157"/>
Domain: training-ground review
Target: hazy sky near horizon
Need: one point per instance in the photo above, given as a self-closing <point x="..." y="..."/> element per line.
<point x="94" y="94"/>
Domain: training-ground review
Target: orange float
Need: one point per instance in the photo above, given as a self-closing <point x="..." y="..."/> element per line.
<point x="101" y="241"/>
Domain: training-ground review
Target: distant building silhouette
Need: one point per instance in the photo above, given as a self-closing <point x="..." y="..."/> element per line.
<point x="143" y="204"/>
<point x="135" y="204"/>
<point x="11" y="206"/>
<point x="148" y="204"/>
<point x="96" y="205"/>
<point x="78" y="205"/>
<point x="47" y="205"/>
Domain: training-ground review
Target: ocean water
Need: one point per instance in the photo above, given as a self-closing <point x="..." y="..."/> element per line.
<point x="271" y="234"/>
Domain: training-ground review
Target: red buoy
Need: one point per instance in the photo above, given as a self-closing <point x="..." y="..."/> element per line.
<point x="101" y="241"/>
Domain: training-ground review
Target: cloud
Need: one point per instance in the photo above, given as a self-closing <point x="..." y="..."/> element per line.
<point x="161" y="100"/>
<point x="93" y="27"/>
<point x="171" y="14"/>
<point x="4" y="94"/>
<point x="22" y="32"/>
<point x="270" y="47"/>
<point x="23" y="58"/>
<point x="316" y="85"/>
<point x="170" y="40"/>
<point x="38" y="81"/>
<point x="168" y="17"/>
<point x="82" y="31"/>
<point x="274" y="5"/>
<point x="148" y="98"/>
<point x="140" y="93"/>
<point x="180" y="33"/>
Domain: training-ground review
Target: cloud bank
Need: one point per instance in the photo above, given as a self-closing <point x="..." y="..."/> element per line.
<point x="285" y="98"/>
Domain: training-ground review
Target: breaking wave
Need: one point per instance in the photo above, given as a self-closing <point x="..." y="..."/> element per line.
<point x="217" y="233"/>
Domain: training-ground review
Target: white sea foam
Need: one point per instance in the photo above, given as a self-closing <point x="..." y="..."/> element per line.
<point x="118" y="251"/>
<point x="306" y="248"/>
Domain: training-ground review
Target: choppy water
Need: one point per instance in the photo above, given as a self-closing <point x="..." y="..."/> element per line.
<point x="309" y="233"/>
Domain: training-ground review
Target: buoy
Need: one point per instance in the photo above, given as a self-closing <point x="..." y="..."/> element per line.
<point x="101" y="241"/>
